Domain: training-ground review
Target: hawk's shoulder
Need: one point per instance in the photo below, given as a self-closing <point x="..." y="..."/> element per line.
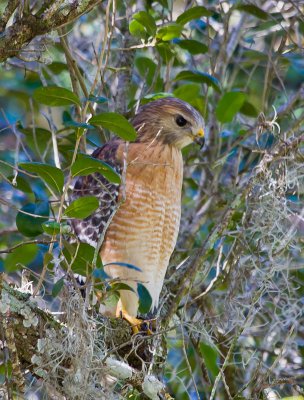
<point x="89" y="229"/>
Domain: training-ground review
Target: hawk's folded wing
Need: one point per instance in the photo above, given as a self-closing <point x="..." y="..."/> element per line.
<point x="91" y="228"/>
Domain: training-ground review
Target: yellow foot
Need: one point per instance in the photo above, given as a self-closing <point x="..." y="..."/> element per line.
<point x="138" y="325"/>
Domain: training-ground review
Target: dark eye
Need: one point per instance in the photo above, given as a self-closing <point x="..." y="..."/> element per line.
<point x="180" y="120"/>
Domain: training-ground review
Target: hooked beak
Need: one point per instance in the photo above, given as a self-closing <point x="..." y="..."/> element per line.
<point x="199" y="138"/>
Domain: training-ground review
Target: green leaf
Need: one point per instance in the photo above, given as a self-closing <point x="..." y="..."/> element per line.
<point x="187" y="92"/>
<point x="229" y="105"/>
<point x="54" y="96"/>
<point x="145" y="299"/>
<point x="193" y="13"/>
<point x="22" y="255"/>
<point x="169" y="32"/>
<point x="21" y="184"/>
<point x="121" y="286"/>
<point x="36" y="139"/>
<point x="51" y="175"/>
<point x="200" y="77"/>
<point x="83" y="260"/>
<point x="115" y="123"/>
<point x="51" y="227"/>
<point x="68" y="121"/>
<point x="98" y="99"/>
<point x="164" y="49"/>
<point x="86" y="165"/>
<point x="253" y="10"/>
<point x="31" y="225"/>
<point x="147" y="21"/>
<point x="193" y="46"/>
<point x="137" y="29"/>
<point x="81" y="208"/>
<point x="249" y="109"/>
<point x="57" y="287"/>
<point x="210" y="356"/>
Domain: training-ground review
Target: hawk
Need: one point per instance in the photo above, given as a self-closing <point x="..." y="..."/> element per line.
<point x="144" y="229"/>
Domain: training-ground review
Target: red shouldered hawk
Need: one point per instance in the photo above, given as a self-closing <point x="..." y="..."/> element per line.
<point x="144" y="230"/>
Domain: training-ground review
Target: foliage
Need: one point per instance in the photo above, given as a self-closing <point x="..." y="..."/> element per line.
<point x="232" y="311"/>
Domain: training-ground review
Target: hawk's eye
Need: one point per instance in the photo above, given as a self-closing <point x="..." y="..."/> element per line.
<point x="180" y="120"/>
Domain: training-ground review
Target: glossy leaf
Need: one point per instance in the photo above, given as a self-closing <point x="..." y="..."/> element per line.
<point x="193" y="13"/>
<point x="137" y="29"/>
<point x="147" y="21"/>
<point x="55" y="96"/>
<point x="51" y="227"/>
<point x="115" y="123"/>
<point x="193" y="46"/>
<point x="81" y="208"/>
<point x="31" y="217"/>
<point x="145" y="299"/>
<point x="229" y="105"/>
<point x="253" y="10"/>
<point x="200" y="77"/>
<point x="169" y="32"/>
<point x="51" y="175"/>
<point x="86" y="165"/>
<point x="22" y="255"/>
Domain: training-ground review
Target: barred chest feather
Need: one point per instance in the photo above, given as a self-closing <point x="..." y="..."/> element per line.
<point x="144" y="230"/>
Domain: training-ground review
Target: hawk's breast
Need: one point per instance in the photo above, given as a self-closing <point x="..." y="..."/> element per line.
<point x="144" y="230"/>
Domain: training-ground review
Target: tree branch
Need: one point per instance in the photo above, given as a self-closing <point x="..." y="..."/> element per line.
<point x="25" y="29"/>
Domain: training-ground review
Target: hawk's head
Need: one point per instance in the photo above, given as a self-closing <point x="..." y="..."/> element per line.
<point x="169" y="121"/>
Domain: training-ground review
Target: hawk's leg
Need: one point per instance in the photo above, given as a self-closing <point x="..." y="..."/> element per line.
<point x="138" y="325"/>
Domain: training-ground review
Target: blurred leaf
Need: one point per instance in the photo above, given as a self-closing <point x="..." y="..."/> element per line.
<point x="37" y="139"/>
<point x="147" y="69"/>
<point x="165" y="51"/>
<point x="145" y="299"/>
<point x="55" y="96"/>
<point x="193" y="13"/>
<point x="193" y="46"/>
<point x="210" y="356"/>
<point x="147" y="22"/>
<point x="253" y="10"/>
<point x="200" y="77"/>
<point x="22" y="255"/>
<point x="98" y="99"/>
<point x="57" y="287"/>
<point x="21" y="184"/>
<point x="187" y="92"/>
<point x="68" y="121"/>
<point x="82" y="208"/>
<point x="51" y="175"/>
<point x="29" y="225"/>
<point x="249" y="110"/>
<point x="86" y="165"/>
<point x="82" y="255"/>
<point x="115" y="123"/>
<point x="169" y="31"/>
<point x="293" y="398"/>
<point x="229" y="105"/>
<point x="137" y="29"/>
